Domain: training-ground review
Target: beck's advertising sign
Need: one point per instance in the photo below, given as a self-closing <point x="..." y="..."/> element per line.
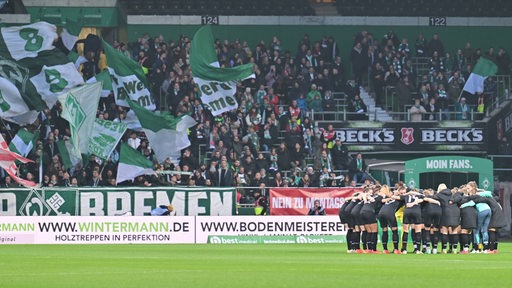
<point x="413" y="137"/>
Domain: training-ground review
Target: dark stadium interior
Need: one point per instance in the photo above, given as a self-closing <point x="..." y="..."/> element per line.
<point x="455" y="8"/>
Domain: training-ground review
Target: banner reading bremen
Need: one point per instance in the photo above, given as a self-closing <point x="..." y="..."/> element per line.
<point x="139" y="201"/>
<point x="216" y="85"/>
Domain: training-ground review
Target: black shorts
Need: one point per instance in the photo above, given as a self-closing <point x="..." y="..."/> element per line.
<point x="468" y="218"/>
<point x="412" y="216"/>
<point x="348" y="216"/>
<point x="432" y="219"/>
<point x="355" y="213"/>
<point x="343" y="215"/>
<point x="368" y="217"/>
<point x="387" y="220"/>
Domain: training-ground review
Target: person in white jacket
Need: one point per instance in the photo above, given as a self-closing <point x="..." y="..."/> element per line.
<point x="417" y="111"/>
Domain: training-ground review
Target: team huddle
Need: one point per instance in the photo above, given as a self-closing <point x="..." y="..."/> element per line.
<point x="463" y="215"/>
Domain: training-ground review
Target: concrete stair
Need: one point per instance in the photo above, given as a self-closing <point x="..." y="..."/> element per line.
<point x="375" y="113"/>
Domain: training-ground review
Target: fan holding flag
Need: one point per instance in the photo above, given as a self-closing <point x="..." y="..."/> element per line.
<point x="7" y="162"/>
<point x="216" y="85"/>
<point x="475" y="84"/>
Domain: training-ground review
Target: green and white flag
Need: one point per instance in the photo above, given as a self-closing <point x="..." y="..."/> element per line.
<point x="483" y="69"/>
<point x="105" y="136"/>
<point x="19" y="42"/>
<point x="216" y="85"/>
<point x="69" y="34"/>
<point x="79" y="107"/>
<point x="167" y="134"/>
<point x="68" y="153"/>
<point x="132" y="164"/>
<point x="12" y="106"/>
<point x="128" y="79"/>
<point x="24" y="119"/>
<point x="23" y="142"/>
<point x="11" y="102"/>
<point x="45" y="76"/>
<point x="54" y="80"/>
<point x="76" y="59"/>
<point x="104" y="78"/>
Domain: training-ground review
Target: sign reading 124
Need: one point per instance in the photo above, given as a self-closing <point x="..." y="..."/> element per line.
<point x="210" y="20"/>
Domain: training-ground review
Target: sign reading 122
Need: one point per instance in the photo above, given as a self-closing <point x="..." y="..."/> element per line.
<point x="210" y="20"/>
<point x="437" y="21"/>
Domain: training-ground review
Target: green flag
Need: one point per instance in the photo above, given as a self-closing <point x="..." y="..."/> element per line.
<point x="68" y="153"/>
<point x="11" y="101"/>
<point x="41" y="79"/>
<point x="79" y="107"/>
<point x="216" y="85"/>
<point x="23" y="142"/>
<point x="128" y="79"/>
<point x="69" y="34"/>
<point x="30" y="62"/>
<point x="167" y="134"/>
<point x="19" y="42"/>
<point x="105" y="136"/>
<point x="483" y="69"/>
<point x="106" y="81"/>
<point x="132" y="164"/>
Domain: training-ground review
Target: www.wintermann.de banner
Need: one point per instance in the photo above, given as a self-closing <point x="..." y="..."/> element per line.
<point x="161" y="230"/>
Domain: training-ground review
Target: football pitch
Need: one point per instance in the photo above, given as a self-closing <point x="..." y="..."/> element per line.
<point x="211" y="265"/>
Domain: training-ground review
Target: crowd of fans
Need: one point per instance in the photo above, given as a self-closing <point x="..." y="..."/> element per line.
<point x="271" y="139"/>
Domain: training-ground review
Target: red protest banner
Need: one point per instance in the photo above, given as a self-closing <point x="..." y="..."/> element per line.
<point x="298" y="201"/>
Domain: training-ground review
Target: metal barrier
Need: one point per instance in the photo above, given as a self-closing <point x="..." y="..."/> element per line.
<point x="502" y="166"/>
<point x="451" y="114"/>
<point x="503" y="90"/>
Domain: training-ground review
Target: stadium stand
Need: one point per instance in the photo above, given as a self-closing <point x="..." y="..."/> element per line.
<point x="217" y="7"/>
<point x="456" y="8"/>
<point x="279" y="108"/>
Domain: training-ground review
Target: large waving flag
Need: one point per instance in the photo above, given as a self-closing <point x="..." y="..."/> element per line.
<point x="79" y="107"/>
<point x="104" y="78"/>
<point x="68" y="153"/>
<point x="483" y="69"/>
<point x="32" y="72"/>
<point x="23" y="142"/>
<point x="132" y="164"/>
<point x="69" y="34"/>
<point x="128" y="79"/>
<point x="105" y="136"/>
<point x="53" y="80"/>
<point x="19" y="42"/>
<point x="216" y="85"/>
<point x="167" y="134"/>
<point x="7" y="162"/>
<point x="11" y="101"/>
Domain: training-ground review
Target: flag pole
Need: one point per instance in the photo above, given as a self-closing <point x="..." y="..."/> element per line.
<point x="8" y="130"/>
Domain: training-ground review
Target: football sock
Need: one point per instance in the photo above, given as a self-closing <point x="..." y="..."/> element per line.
<point x="395" y="239"/>
<point x="405" y="236"/>
<point x="384" y="239"/>
<point x="444" y="241"/>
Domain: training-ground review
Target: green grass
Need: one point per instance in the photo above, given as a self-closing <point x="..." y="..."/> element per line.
<point x="307" y="265"/>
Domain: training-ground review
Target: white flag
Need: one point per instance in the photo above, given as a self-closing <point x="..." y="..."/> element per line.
<point x="217" y="86"/>
<point x="105" y="136"/>
<point x="53" y="80"/>
<point x="28" y="40"/>
<point x="132" y="164"/>
<point x="79" y="107"/>
<point x="128" y="79"/>
<point x="11" y="102"/>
